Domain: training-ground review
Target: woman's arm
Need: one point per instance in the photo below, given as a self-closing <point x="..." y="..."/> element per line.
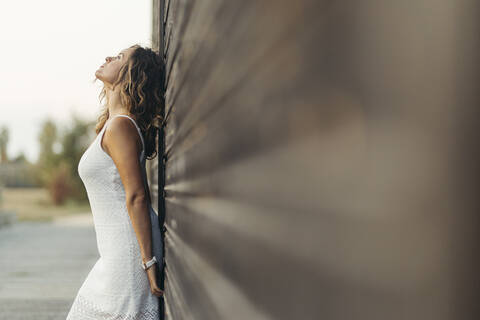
<point x="122" y="142"/>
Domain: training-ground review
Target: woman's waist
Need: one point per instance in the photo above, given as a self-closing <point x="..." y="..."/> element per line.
<point x="114" y="239"/>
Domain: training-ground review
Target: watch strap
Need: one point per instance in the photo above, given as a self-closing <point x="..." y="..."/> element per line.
<point x="149" y="263"/>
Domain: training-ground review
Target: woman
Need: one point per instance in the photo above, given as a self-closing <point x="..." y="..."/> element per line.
<point x="123" y="282"/>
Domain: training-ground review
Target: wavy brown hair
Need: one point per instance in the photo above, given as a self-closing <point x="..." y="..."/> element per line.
<point x="142" y="89"/>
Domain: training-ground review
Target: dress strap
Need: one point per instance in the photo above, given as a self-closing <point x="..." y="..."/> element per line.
<point x="138" y="129"/>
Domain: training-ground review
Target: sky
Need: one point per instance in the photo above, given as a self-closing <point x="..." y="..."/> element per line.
<point x="49" y="54"/>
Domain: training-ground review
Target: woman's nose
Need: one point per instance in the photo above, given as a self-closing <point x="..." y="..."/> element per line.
<point x="108" y="59"/>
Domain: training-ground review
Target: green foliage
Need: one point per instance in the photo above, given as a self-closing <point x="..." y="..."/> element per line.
<point x="47" y="158"/>
<point x="60" y="184"/>
<point x="57" y="170"/>
<point x="16" y="172"/>
<point x="19" y="158"/>
<point x="4" y="137"/>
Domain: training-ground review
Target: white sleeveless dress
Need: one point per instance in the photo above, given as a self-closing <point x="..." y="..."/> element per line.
<point x="116" y="287"/>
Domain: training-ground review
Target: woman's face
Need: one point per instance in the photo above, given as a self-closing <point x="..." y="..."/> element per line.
<point x="108" y="72"/>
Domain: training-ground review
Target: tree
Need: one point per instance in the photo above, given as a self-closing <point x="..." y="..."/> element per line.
<point x="47" y="139"/>
<point x="74" y="141"/>
<point x="20" y="158"/>
<point x="4" y="136"/>
<point x="58" y="170"/>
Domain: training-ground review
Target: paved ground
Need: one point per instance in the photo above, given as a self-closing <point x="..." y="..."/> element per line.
<point x="42" y="266"/>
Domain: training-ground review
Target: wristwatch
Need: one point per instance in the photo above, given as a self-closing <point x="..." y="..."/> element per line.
<point x="149" y="263"/>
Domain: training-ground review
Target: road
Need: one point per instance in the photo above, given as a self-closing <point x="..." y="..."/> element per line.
<point x="42" y="266"/>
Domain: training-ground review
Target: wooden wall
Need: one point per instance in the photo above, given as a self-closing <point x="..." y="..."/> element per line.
<point x="319" y="159"/>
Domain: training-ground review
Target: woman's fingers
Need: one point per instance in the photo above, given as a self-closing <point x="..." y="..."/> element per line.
<point x="153" y="282"/>
<point x="157" y="291"/>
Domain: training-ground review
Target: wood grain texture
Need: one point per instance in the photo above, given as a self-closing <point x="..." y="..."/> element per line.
<point x="312" y="163"/>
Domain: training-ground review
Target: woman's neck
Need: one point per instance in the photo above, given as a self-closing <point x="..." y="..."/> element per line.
<point x="114" y="103"/>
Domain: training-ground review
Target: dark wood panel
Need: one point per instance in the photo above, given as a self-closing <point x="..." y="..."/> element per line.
<point x="314" y="169"/>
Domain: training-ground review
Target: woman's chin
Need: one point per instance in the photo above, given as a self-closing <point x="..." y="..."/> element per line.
<point x="98" y="75"/>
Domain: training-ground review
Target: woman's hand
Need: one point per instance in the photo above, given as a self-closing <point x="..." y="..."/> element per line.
<point x="152" y="278"/>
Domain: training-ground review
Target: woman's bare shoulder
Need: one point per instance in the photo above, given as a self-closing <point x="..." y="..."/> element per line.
<point x="121" y="133"/>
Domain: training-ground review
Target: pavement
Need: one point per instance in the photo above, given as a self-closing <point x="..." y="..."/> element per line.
<point x="42" y="266"/>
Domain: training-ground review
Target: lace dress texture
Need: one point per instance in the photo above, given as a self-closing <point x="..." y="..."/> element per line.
<point x="116" y="287"/>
